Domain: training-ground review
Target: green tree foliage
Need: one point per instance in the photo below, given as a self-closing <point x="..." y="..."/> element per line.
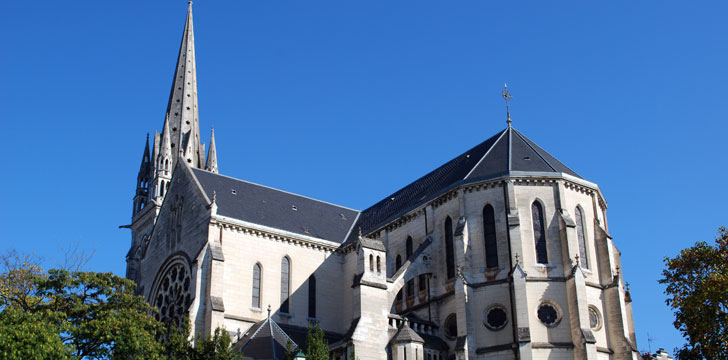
<point x="317" y="346"/>
<point x="29" y="336"/>
<point x="216" y="347"/>
<point x="88" y="315"/>
<point x="697" y="290"/>
<point x="289" y="350"/>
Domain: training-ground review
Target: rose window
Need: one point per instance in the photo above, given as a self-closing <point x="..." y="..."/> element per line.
<point x="495" y="318"/>
<point x="549" y="314"/>
<point x="173" y="295"/>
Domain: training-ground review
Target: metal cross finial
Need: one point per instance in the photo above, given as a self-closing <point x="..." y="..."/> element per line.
<point x="507" y="97"/>
<point x="577" y="259"/>
<point x="517" y="258"/>
<point x="269" y="311"/>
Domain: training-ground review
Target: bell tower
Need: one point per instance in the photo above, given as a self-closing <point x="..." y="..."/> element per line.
<point x="179" y="141"/>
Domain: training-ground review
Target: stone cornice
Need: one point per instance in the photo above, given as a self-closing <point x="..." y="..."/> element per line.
<point x="518" y="177"/>
<point x="273" y="234"/>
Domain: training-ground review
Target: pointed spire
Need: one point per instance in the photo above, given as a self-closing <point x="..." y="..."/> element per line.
<point x="211" y="164"/>
<point x="182" y="110"/>
<point x="145" y="170"/>
<point x="507" y="96"/>
<point x="165" y="150"/>
<point x="145" y="157"/>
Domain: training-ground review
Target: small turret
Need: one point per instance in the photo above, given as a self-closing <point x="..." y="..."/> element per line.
<point x="211" y="164"/>
<point x="143" y="179"/>
<point x="163" y="165"/>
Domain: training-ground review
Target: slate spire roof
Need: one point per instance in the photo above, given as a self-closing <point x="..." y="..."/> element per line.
<point x="507" y="152"/>
<point x="145" y="169"/>
<point x="211" y="164"/>
<point x="182" y="110"/>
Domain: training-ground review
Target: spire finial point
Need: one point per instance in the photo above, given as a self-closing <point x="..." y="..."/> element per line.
<point x="268" y="311"/>
<point x="507" y="97"/>
<point x="189" y="3"/>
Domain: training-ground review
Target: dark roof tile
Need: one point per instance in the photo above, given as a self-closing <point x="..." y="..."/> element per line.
<point x="274" y="208"/>
<point x="506" y="151"/>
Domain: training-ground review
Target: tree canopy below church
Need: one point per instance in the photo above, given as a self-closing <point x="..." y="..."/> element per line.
<point x="62" y="314"/>
<point x="697" y="289"/>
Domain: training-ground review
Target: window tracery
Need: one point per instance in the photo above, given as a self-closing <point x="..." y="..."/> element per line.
<point x="174" y="294"/>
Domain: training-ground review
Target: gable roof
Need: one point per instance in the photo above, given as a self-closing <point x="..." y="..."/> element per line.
<point x="265" y="340"/>
<point x="506" y="152"/>
<point x="274" y="208"/>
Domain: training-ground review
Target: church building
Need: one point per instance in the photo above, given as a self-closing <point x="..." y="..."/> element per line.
<point x="503" y="252"/>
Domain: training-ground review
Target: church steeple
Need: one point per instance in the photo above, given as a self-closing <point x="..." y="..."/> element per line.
<point x="211" y="164"/>
<point x="182" y="112"/>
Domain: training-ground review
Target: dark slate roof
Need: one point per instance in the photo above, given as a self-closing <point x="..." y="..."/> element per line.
<point x="406" y="334"/>
<point x="265" y="340"/>
<point x="274" y="208"/>
<point x="503" y="153"/>
<point x="434" y="342"/>
<point x="299" y="335"/>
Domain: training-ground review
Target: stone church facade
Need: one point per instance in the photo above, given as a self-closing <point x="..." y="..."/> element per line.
<point x="501" y="253"/>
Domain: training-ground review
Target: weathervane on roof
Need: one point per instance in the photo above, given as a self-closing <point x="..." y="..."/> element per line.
<point x="507" y="96"/>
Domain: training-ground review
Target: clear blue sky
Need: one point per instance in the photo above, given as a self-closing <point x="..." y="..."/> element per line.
<point x="349" y="101"/>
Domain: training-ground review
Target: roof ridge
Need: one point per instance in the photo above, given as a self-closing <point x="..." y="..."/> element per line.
<point x="536" y="151"/>
<point x="486" y="154"/>
<point x="283" y="191"/>
<point x="353" y="224"/>
<point x="256" y="332"/>
<point x="284" y="333"/>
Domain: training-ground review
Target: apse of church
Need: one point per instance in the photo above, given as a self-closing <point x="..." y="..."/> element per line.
<point x="501" y="253"/>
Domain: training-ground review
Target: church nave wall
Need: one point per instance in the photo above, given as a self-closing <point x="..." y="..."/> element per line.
<point x="243" y="250"/>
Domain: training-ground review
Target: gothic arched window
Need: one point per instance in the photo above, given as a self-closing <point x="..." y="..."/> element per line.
<point x="312" y="296"/>
<point x="410" y="283"/>
<point x="257" y="272"/>
<point x="449" y="251"/>
<point x="580" y="235"/>
<point x="379" y="264"/>
<point x="398" y="264"/>
<point x="539" y="233"/>
<point x="409" y="247"/>
<point x="173" y="294"/>
<point x="491" y="245"/>
<point x="371" y="262"/>
<point x="285" y="283"/>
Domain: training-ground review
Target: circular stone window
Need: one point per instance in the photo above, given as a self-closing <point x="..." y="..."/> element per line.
<point x="549" y="314"/>
<point x="451" y="327"/>
<point x="173" y="296"/>
<point x="495" y="317"/>
<point x="595" y="319"/>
